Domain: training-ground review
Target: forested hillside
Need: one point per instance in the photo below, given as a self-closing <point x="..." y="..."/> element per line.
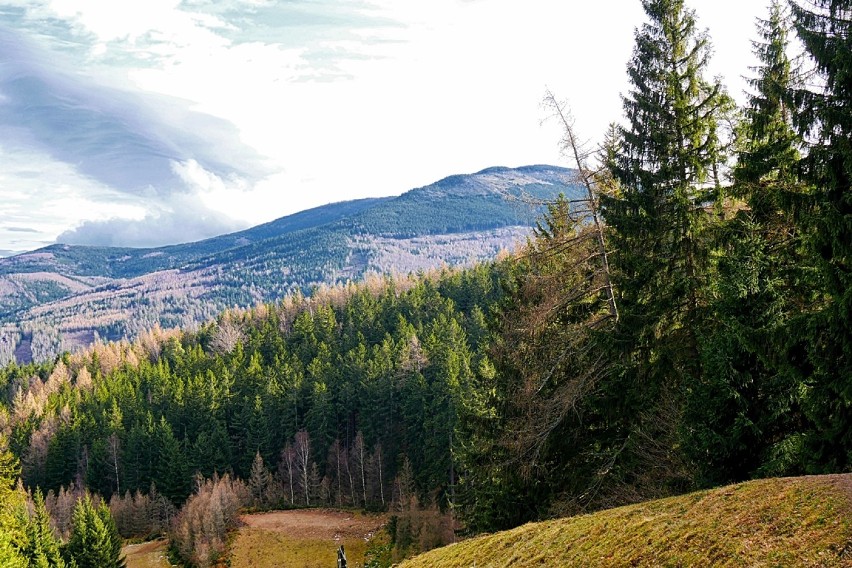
<point x="703" y="335"/>
<point x="681" y="322"/>
<point x="373" y="373"/>
<point x="350" y="397"/>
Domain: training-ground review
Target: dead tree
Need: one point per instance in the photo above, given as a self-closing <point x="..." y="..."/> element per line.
<point x="572" y="146"/>
<point x="566" y="298"/>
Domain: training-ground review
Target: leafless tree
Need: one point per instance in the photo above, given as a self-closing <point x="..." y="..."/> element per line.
<point x="259" y="482"/>
<point x="287" y="469"/>
<point x="375" y="475"/>
<point x="227" y="335"/>
<point x="303" y="463"/>
<point x="573" y="147"/>
<point x="359" y="462"/>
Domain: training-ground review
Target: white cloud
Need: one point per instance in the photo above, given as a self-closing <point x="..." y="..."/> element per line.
<point x="362" y="99"/>
<point x="181" y="219"/>
<point x="47" y="197"/>
<point x="132" y="21"/>
<point x="197" y="178"/>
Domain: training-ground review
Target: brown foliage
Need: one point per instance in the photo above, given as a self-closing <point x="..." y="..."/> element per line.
<point x="549" y="337"/>
<point x="200" y="528"/>
<point x="60" y="506"/>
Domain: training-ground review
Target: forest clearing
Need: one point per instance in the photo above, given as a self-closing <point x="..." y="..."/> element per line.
<point x="303" y="538"/>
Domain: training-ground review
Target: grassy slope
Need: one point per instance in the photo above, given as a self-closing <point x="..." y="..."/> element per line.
<point x="804" y="521"/>
<point x="150" y="554"/>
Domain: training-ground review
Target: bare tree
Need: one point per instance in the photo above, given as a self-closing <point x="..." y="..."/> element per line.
<point x="375" y="474"/>
<point x="359" y="461"/>
<point x="287" y="468"/>
<point x="567" y="295"/>
<point x="413" y="358"/>
<point x="114" y="449"/>
<point x="259" y="482"/>
<point x="335" y="468"/>
<point x="348" y="466"/>
<point x="227" y="335"/>
<point x="572" y="146"/>
<point x="303" y="463"/>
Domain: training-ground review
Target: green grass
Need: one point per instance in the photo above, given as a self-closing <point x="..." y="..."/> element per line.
<point x="804" y="521"/>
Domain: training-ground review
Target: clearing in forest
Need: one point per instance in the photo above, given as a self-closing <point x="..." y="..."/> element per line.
<point x="303" y="538"/>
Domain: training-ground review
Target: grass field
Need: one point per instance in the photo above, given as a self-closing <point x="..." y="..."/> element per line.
<point x="805" y="521"/>
<point x="303" y="538"/>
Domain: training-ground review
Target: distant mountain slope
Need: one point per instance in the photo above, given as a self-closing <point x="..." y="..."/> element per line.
<point x="60" y="296"/>
<point x="118" y="262"/>
<point x="805" y="521"/>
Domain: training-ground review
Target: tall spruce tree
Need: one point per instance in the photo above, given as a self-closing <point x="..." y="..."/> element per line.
<point x="768" y="146"/>
<point x="825" y="115"/>
<point x="741" y="414"/>
<point x="12" y="530"/>
<point x="668" y="169"/>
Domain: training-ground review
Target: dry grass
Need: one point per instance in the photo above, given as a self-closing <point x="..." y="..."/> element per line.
<point x="147" y="555"/>
<point x="803" y="521"/>
<point x="302" y="538"/>
<point x="257" y="548"/>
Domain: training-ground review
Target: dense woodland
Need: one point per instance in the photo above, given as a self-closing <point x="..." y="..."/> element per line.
<point x="685" y="325"/>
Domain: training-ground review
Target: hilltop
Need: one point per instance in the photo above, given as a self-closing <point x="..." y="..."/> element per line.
<point x="803" y="521"/>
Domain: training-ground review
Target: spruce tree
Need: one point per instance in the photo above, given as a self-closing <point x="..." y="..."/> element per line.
<point x="94" y="540"/>
<point x="170" y="470"/>
<point x="768" y="145"/>
<point x="42" y="546"/>
<point x="667" y="170"/>
<point x="825" y="116"/>
<point x="12" y="530"/>
<point x="740" y="415"/>
<point x="115" y="540"/>
<point x="670" y="155"/>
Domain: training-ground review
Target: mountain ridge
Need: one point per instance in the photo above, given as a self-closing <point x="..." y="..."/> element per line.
<point x="65" y="296"/>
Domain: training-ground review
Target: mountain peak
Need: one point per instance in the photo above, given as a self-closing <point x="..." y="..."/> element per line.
<point x="497" y="181"/>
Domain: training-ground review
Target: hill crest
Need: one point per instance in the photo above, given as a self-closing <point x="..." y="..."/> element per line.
<point x="802" y="521"/>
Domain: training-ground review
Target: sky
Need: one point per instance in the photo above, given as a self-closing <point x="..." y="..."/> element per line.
<point x="129" y="123"/>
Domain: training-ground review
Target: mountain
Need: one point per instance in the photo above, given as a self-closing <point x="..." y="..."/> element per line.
<point x="62" y="297"/>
